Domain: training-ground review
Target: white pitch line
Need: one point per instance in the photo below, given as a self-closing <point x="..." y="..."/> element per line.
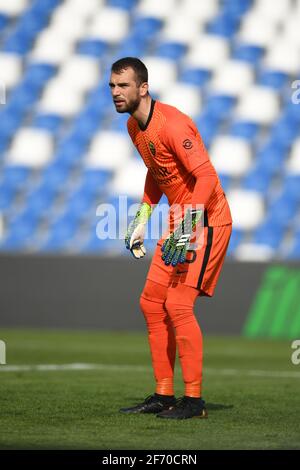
<point x="126" y="367"/>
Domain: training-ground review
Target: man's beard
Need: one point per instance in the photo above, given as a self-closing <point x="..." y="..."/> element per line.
<point x="131" y="107"/>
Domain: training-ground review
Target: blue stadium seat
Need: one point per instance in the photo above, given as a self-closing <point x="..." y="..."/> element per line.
<point x="49" y="122"/>
<point x="219" y="106"/>
<point x="86" y="124"/>
<point x="195" y="76"/>
<point x="291" y="185"/>
<point x="92" y="47"/>
<point x="15" y="176"/>
<point x="61" y="233"/>
<point x="171" y="50"/>
<point x="132" y="46"/>
<point x="257" y="180"/>
<point x="236" y="8"/>
<point x="269" y="234"/>
<point x="248" y="53"/>
<point x="40" y="200"/>
<point x="7" y="195"/>
<point x="20" y="232"/>
<point x="273" y="79"/>
<point x="244" y="129"/>
<point x="55" y="177"/>
<point x="3" y="21"/>
<point x="124" y="4"/>
<point x="71" y="149"/>
<point x="271" y="157"/>
<point x="23" y="97"/>
<point x="10" y="120"/>
<point x="235" y="240"/>
<point x="95" y="181"/>
<point x="145" y="27"/>
<point x="37" y="74"/>
<point x="284" y="131"/>
<point x="17" y="43"/>
<point x="223" y="25"/>
<point x="82" y="202"/>
<point x="282" y="211"/>
<point x="207" y="125"/>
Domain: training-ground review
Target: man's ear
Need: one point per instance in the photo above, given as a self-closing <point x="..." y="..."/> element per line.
<point x="144" y="89"/>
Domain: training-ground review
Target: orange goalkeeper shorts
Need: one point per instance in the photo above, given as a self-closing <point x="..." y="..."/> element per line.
<point x="202" y="268"/>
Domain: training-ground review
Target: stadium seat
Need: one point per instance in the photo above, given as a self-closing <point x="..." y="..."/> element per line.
<point x="209" y="52"/>
<point x="249" y="53"/>
<point x="11" y="68"/>
<point x="194" y="76"/>
<point x="130" y="180"/>
<point x="233" y="79"/>
<point x="293" y="164"/>
<point x="231" y="155"/>
<point x="50" y="122"/>
<point x="101" y="25"/>
<point x="109" y="150"/>
<point x="247" y="208"/>
<point x="259" y="104"/>
<point x="175" y="30"/>
<point x="13" y="8"/>
<point x="31" y="147"/>
<point x="156" y="8"/>
<point x="184" y="97"/>
<point x="245" y="130"/>
<point x="159" y="67"/>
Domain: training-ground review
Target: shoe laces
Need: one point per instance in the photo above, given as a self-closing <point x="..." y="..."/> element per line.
<point x="184" y="401"/>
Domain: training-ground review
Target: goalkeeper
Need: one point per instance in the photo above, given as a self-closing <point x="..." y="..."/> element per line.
<point x="188" y="260"/>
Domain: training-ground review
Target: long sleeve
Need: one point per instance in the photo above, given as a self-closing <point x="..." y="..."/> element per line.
<point x="152" y="193"/>
<point x="206" y="181"/>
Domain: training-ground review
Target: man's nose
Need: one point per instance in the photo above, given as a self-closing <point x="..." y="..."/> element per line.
<point x="116" y="91"/>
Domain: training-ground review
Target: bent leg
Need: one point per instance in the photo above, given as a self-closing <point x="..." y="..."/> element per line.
<point x="160" y="335"/>
<point x="179" y="304"/>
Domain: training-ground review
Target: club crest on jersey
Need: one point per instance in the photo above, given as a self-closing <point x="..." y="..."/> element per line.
<point x="152" y="148"/>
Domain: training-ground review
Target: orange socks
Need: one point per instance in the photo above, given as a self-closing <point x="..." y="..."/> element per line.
<point x="166" y="309"/>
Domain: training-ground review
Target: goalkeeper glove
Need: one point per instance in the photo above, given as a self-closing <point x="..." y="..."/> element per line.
<point x="134" y="238"/>
<point x="175" y="247"/>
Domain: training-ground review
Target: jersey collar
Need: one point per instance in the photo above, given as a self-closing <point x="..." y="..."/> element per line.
<point x="143" y="128"/>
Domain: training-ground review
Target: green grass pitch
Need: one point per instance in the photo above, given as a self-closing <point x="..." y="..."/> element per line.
<point x="251" y="387"/>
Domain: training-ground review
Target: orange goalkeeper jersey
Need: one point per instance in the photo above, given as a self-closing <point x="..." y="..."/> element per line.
<point x="172" y="150"/>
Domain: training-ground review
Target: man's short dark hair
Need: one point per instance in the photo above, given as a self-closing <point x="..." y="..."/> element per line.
<point x="136" y="64"/>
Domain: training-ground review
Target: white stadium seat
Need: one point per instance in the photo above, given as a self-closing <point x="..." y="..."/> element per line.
<point x="176" y="30"/>
<point x="291" y="30"/>
<point x="185" y="97"/>
<point x="283" y="56"/>
<point x="247" y="208"/>
<point x="158" y="68"/>
<point x="51" y="48"/>
<point x="13" y="7"/>
<point x="259" y="104"/>
<point x="208" y="52"/>
<point x="130" y="179"/>
<point x="253" y="252"/>
<point x="83" y="9"/>
<point x="109" y="150"/>
<point x="201" y="11"/>
<point x="256" y="30"/>
<point x="231" y="155"/>
<point x="59" y="99"/>
<point x="272" y="11"/>
<point x="80" y="73"/>
<point x="293" y="164"/>
<point x="10" y="69"/>
<point x="31" y="147"/>
<point x="233" y="78"/>
<point x="68" y="24"/>
<point x="156" y="8"/>
<point x="110" y="25"/>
